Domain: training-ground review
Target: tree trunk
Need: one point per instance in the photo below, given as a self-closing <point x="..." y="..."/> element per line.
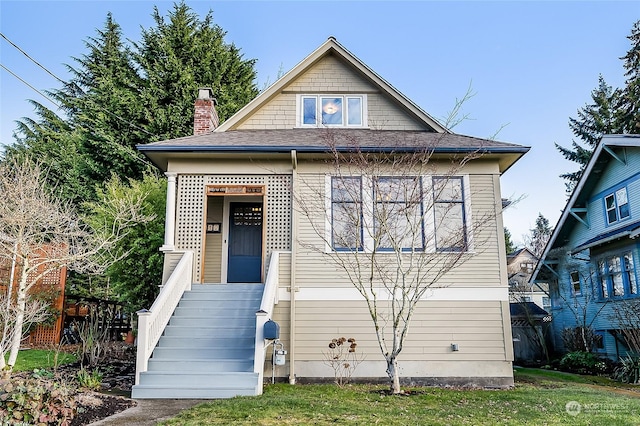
<point x="394" y="376"/>
<point x="21" y="301"/>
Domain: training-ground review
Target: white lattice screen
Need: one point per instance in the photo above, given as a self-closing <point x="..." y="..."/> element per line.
<point x="190" y="210"/>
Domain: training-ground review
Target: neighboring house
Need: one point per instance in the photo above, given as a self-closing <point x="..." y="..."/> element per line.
<point x="530" y="307"/>
<point x="520" y="266"/>
<point x="233" y="224"/>
<point x="590" y="260"/>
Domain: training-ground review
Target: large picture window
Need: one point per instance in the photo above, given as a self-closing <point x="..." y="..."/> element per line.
<point x="398" y="219"/>
<point x="346" y="213"/>
<point x="617" y="206"/>
<point x="332" y="110"/>
<point x="449" y="211"/>
<point x="617" y="276"/>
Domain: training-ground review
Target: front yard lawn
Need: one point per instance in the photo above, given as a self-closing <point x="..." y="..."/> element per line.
<point x="539" y="398"/>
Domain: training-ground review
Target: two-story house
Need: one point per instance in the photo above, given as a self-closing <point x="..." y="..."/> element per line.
<point x="590" y="260"/>
<point x="245" y="243"/>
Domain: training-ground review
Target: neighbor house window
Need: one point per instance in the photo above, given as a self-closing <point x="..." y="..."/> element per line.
<point x="546" y="303"/>
<point x="449" y="211"/>
<point x="575" y="283"/>
<point x="617" y="276"/>
<point x="332" y="110"/>
<point x="398" y="219"/>
<point x="617" y="206"/>
<point x="526" y="267"/>
<point x="346" y="213"/>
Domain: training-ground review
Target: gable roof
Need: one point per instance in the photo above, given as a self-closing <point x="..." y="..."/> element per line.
<point x="602" y="155"/>
<point x="332" y="47"/>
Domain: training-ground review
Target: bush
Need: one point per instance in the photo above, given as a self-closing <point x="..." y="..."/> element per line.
<point x="585" y="363"/>
<point x="90" y="380"/>
<point x="34" y="400"/>
<point x="628" y="371"/>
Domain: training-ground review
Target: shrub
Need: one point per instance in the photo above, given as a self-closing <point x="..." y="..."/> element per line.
<point x="585" y="363"/>
<point x="628" y="371"/>
<point x="342" y="358"/>
<point x="90" y="380"/>
<point x="34" y="400"/>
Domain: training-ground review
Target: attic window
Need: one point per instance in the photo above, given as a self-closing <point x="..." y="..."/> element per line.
<point x="332" y="110"/>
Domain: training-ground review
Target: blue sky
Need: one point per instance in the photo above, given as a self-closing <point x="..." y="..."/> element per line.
<point x="531" y="65"/>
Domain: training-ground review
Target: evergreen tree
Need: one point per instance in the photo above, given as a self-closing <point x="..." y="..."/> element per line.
<point x="539" y="236"/>
<point x="631" y="94"/>
<point x="612" y="111"/>
<point x="508" y="243"/>
<point x="182" y="54"/>
<point x="593" y="121"/>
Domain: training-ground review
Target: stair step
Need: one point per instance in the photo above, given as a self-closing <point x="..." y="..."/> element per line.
<point x="206" y="312"/>
<point x="217" y="304"/>
<point x="206" y="342"/>
<point x="199" y="379"/>
<point x="217" y="365"/>
<point x="194" y="321"/>
<point x="164" y="392"/>
<point x="220" y="331"/>
<point x="202" y="353"/>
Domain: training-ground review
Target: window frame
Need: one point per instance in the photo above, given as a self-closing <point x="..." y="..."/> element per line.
<point x="575" y="291"/>
<point x="359" y="203"/>
<point x="616" y="208"/>
<point x="625" y="272"/>
<point x="345" y="108"/>
<point x="419" y="205"/>
<point x="462" y="202"/>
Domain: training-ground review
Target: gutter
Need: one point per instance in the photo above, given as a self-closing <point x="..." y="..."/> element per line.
<point x="315" y="149"/>
<point x="292" y="283"/>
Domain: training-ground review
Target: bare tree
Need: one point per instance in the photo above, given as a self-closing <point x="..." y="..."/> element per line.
<point x="626" y="314"/>
<point x="39" y="234"/>
<point x="577" y="296"/>
<point x="399" y="222"/>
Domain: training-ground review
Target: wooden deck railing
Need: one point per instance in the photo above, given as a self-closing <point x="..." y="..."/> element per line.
<point x="151" y="323"/>
<point x="269" y="300"/>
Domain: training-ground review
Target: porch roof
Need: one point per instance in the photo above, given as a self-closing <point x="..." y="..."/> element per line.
<point x="320" y="141"/>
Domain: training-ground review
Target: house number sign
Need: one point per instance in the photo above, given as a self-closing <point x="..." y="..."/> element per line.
<point x="234" y="190"/>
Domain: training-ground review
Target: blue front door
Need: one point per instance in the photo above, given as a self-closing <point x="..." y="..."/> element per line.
<point x="245" y="243"/>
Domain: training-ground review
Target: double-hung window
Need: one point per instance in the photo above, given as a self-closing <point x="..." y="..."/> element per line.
<point x="449" y="211"/>
<point x="346" y="213"/>
<point x="575" y="283"/>
<point x="617" y="206"/>
<point x="617" y="276"/>
<point x="398" y="215"/>
<point x="332" y="110"/>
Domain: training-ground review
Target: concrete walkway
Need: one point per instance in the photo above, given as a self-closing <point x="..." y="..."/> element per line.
<point x="149" y="412"/>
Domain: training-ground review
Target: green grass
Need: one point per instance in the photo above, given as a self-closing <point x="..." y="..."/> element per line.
<point x="31" y="359"/>
<point x="540" y="397"/>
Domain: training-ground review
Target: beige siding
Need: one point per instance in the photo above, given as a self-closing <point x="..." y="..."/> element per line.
<point x="477" y="327"/>
<point x="329" y="76"/>
<point x="213" y="243"/>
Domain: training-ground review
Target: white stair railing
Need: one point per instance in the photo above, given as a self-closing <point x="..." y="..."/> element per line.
<point x="269" y="300"/>
<point x="151" y="323"/>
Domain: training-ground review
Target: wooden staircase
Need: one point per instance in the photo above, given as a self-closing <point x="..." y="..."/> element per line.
<point x="207" y="349"/>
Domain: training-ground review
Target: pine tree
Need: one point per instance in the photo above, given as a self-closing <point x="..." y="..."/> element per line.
<point x="508" y="243"/>
<point x="631" y="93"/>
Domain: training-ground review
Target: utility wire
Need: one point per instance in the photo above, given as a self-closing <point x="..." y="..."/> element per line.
<point x="124" y="120"/>
<point x="30" y="86"/>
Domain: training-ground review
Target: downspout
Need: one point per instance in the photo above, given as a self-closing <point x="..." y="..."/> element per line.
<point x="292" y="288"/>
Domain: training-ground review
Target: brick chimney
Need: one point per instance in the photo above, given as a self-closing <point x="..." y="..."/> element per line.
<point x="205" y="118"/>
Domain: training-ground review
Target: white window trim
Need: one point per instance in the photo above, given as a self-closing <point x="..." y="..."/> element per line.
<point x="345" y="97"/>
<point x="368" y="206"/>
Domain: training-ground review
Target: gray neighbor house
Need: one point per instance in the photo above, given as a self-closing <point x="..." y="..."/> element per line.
<point x="238" y="251"/>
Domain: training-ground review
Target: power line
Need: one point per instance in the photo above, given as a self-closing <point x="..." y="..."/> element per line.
<point x="124" y="120"/>
<point x="30" y="86"/>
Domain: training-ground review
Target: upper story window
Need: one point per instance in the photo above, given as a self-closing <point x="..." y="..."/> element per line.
<point x="617" y="276"/>
<point x="617" y="206"/>
<point x="332" y="110"/>
<point x="527" y="267"/>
